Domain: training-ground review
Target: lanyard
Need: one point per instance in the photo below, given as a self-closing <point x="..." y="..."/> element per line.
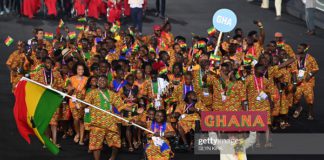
<point x="259" y="88"/>
<point x="300" y="66"/>
<point x="156" y="127"/>
<point x="45" y="77"/>
<point x="188" y="106"/>
<point x="130" y="92"/>
<point x="119" y="86"/>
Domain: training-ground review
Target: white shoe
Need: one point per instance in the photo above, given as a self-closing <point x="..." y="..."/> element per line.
<point x="7" y="10"/>
<point x="1" y="13"/>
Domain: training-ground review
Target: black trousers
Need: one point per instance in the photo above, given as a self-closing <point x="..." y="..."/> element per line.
<point x="1" y="6"/>
<point x="65" y="6"/>
<point x="160" y="6"/>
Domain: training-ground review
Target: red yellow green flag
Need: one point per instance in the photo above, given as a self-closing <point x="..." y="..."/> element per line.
<point x="33" y="110"/>
<point x="8" y="41"/>
<point x="79" y="27"/>
<point x="211" y="31"/>
<point x="72" y="35"/>
<point x="49" y="35"/>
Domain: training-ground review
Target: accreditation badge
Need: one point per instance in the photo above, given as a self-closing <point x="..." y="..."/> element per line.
<point x="86" y="110"/>
<point x="263" y="95"/>
<point x="74" y="98"/>
<point x="182" y="116"/>
<point x="254" y="62"/>
<point x="223" y="96"/>
<point x="157" y="103"/>
<point x="301" y="73"/>
<point x="205" y="92"/>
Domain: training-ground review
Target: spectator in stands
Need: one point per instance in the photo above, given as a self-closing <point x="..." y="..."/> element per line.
<point x="309" y="16"/>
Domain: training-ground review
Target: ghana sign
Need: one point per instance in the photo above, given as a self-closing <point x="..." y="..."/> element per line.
<point x="234" y="121"/>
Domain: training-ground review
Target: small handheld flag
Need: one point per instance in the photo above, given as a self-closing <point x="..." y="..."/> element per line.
<point x="72" y="35"/>
<point x="79" y="27"/>
<point x="211" y="31"/>
<point x="49" y="35"/>
<point x="183" y="45"/>
<point x="9" y="41"/>
<point x="124" y="49"/>
<point x="82" y="19"/>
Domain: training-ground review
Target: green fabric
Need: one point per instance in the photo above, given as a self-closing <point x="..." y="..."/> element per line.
<point x="155" y="87"/>
<point x="110" y="78"/>
<point x="87" y="55"/>
<point x="229" y="89"/>
<point x="46" y="107"/>
<point x="105" y="106"/>
<point x="200" y="79"/>
<point x="87" y="117"/>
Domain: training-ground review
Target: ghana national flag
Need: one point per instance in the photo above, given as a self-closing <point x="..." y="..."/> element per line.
<point x="8" y="41"/>
<point x="33" y="110"/>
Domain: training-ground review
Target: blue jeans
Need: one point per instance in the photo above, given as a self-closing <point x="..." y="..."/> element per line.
<point x="310" y="18"/>
<point x="137" y="18"/>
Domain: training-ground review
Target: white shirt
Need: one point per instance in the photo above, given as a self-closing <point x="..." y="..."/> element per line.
<point x="227" y="151"/>
<point x="136" y="3"/>
<point x="309" y="3"/>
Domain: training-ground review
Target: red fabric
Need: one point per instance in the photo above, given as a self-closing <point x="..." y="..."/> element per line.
<point x="30" y="7"/>
<point x="127" y="8"/>
<point x="93" y="9"/>
<point x="145" y="4"/>
<point x="103" y="8"/>
<point x="114" y="12"/>
<point x="20" y="112"/>
<point x="51" y="7"/>
<point x="80" y="7"/>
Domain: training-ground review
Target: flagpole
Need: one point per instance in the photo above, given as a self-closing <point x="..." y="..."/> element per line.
<point x="88" y="104"/>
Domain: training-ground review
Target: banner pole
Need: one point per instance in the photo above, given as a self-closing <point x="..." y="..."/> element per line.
<point x="86" y="103"/>
<point x="218" y="42"/>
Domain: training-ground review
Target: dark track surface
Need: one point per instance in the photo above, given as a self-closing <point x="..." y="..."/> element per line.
<point x="186" y="16"/>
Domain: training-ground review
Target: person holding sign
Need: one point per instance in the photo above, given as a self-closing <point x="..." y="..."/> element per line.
<point x="307" y="68"/>
<point x="259" y="90"/>
<point x="234" y="151"/>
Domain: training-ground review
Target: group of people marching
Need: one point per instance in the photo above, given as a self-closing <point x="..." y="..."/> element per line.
<point x="162" y="83"/>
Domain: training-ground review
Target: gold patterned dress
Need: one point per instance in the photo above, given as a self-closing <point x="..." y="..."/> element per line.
<point x="79" y="92"/>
